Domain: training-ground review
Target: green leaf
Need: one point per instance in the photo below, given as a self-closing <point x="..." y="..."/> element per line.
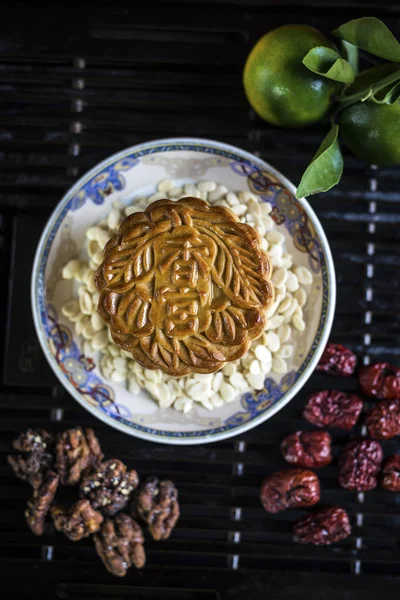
<point x="370" y="34"/>
<point x="350" y="53"/>
<point x="328" y="63"/>
<point x="374" y="84"/>
<point x="325" y="169"/>
<point x="386" y="95"/>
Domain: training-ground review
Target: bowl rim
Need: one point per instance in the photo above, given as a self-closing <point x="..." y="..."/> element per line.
<point x="331" y="300"/>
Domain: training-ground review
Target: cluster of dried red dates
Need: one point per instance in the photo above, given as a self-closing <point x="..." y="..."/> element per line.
<point x="106" y="488"/>
<point x="360" y="460"/>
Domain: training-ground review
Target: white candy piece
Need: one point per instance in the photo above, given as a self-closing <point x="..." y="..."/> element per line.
<point x="71" y="269"/>
<point x="274" y="237"/>
<point x="239" y="209"/>
<point x="255" y="367"/>
<point x="298" y="322"/>
<point x="266" y="208"/>
<point x="206" y="186"/>
<point x="207" y="404"/>
<point x="217" y="194"/>
<point x="279" y="365"/>
<point x="99" y="235"/>
<point x="285" y="351"/>
<point x="292" y="283"/>
<point x="229" y="368"/>
<point x="232" y="199"/>
<point x="217" y="401"/>
<point x="114" y="219"/>
<point x="279" y="276"/>
<point x="274" y="322"/>
<point x="133" y="386"/>
<point x="301" y="296"/>
<point x="118" y="377"/>
<point x="70" y="308"/>
<point x="262" y="353"/>
<point x="85" y="302"/>
<point x="256" y="381"/>
<point x="227" y="392"/>
<point x="284" y="333"/>
<point x="285" y="304"/>
<point x="165" y="186"/>
<point x="217" y="381"/>
<point x="254" y="207"/>
<point x="100" y="340"/>
<point x="304" y="275"/>
<point x="157" y="196"/>
<point x="97" y="322"/>
<point x="120" y="364"/>
<point x="175" y="193"/>
<point x="238" y="382"/>
<point x="273" y="341"/>
<point x="200" y="390"/>
<point x="130" y="210"/>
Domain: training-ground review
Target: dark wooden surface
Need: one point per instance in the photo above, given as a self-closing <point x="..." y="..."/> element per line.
<point x="78" y="83"/>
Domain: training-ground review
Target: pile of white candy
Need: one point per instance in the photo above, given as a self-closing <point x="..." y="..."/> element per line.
<point x="268" y="353"/>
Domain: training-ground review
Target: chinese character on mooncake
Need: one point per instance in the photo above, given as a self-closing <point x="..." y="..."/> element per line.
<point x="184" y="286"/>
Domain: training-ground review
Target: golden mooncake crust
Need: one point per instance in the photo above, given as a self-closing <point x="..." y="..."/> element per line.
<point x="184" y="286"/>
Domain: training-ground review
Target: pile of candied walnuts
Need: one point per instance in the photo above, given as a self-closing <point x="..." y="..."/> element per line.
<point x="106" y="487"/>
<point x="360" y="460"/>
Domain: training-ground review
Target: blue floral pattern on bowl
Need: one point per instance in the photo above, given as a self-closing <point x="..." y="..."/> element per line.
<point x="104" y="184"/>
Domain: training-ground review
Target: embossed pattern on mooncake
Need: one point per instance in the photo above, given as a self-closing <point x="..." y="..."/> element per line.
<point x="184" y="286"/>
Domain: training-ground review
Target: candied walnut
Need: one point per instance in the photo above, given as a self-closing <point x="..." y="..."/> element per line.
<point x="359" y="465"/>
<point x="383" y="420"/>
<point x="290" y="488"/>
<point x="156" y="503"/>
<point x="333" y="408"/>
<point x="75" y="452"/>
<point x="34" y="440"/>
<point x="390" y="478"/>
<point x="323" y="527"/>
<point x="337" y="360"/>
<point x="119" y="544"/>
<point x="32" y="465"/>
<point x="78" y="522"/>
<point x="381" y="380"/>
<point x="40" y="503"/>
<point x="311" y="449"/>
<point x="109" y="486"/>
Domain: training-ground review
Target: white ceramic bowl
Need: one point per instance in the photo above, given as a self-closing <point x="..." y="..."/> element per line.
<point x="135" y="172"/>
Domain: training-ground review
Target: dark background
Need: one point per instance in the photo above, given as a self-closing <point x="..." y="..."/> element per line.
<point x="78" y="83"/>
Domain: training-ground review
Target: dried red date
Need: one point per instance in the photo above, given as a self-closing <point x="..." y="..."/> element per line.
<point x="359" y="465"/>
<point x="119" y="544"/>
<point x="40" y="503"/>
<point x="390" y="478"/>
<point x="289" y="489"/>
<point x="156" y="503"/>
<point x="78" y="522"/>
<point x="333" y="408"/>
<point x="337" y="360"/>
<point x="381" y="380"/>
<point x="323" y="527"/>
<point x="383" y="420"/>
<point x="310" y="449"/>
<point x="76" y="450"/>
<point x="109" y="486"/>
